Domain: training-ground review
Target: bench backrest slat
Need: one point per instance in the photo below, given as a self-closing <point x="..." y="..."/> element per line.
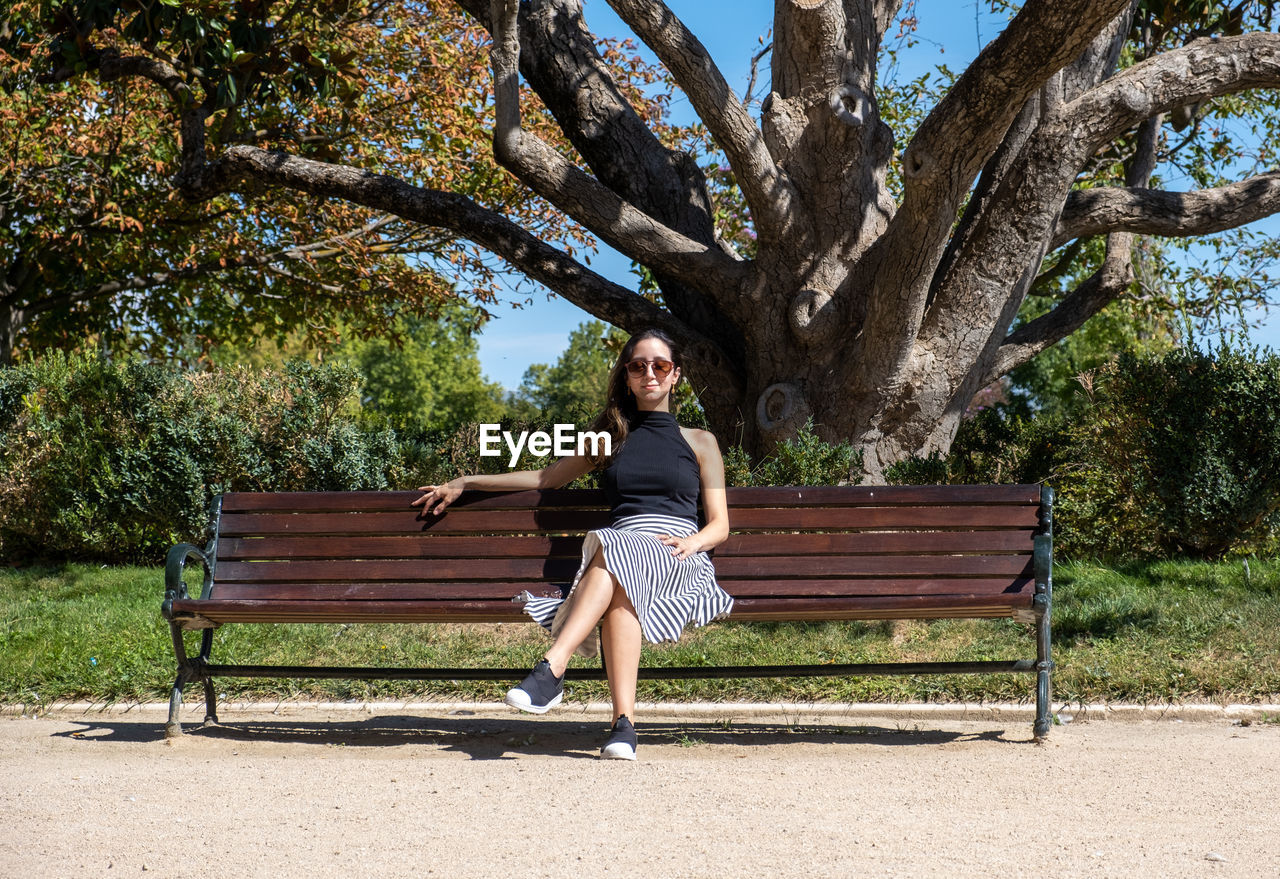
<point x="743" y="519"/>
<point x="570" y="546"/>
<point x="760" y="496"/>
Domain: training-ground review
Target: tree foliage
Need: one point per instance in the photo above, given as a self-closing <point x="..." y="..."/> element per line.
<point x="573" y="388"/>
<point x="842" y="257"/>
<point x="99" y="244"/>
<point x="425" y="378"/>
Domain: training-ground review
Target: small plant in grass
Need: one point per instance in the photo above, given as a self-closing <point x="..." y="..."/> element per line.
<point x="685" y="740"/>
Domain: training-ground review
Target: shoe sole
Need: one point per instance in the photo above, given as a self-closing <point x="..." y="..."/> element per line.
<point x="617" y="751"/>
<point x="529" y="707"/>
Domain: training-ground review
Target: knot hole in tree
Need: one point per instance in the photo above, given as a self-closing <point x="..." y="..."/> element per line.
<point x="782" y="410"/>
<point x="915" y="163"/>
<point x="850" y="105"/>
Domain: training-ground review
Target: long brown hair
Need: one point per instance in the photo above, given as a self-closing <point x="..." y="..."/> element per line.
<point x="620" y="404"/>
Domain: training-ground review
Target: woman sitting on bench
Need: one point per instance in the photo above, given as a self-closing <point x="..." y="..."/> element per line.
<point x="648" y="574"/>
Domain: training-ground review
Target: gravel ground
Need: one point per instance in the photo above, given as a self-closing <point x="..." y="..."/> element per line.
<point x="309" y="792"/>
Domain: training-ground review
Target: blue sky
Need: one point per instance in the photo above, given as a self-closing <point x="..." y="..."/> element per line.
<point x="949" y="32"/>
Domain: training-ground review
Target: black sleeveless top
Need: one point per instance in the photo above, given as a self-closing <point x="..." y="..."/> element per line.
<point x="655" y="471"/>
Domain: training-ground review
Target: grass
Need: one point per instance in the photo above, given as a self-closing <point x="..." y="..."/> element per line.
<point x="1149" y="632"/>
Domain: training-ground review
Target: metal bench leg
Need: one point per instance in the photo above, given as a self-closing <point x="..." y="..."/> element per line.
<point x="1043" y="603"/>
<point x="173" y="728"/>
<point x="1044" y="671"/>
<point x="188" y="671"/>
<point x="186" y="674"/>
<point x="202" y="661"/>
<point x="210" y="703"/>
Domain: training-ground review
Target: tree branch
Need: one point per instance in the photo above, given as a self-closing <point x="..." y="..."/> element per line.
<point x="626" y="228"/>
<point x="447" y="210"/>
<point x="298" y="279"/>
<point x="1171" y="214"/>
<point x="769" y="194"/>
<point x="560" y="62"/>
<point x="586" y="200"/>
<point x="883" y="12"/>
<point x="1196" y="72"/>
<point x="147" y="281"/>
<point x="1060" y="268"/>
<point x="750" y="96"/>
<point x="970" y="122"/>
<point x="966" y="128"/>
<point x="1100" y="59"/>
<point x="1016" y="158"/>
<point x="194" y="163"/>
<point x="1112" y="279"/>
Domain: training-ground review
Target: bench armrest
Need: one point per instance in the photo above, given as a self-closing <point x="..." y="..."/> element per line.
<point x="174" y="565"/>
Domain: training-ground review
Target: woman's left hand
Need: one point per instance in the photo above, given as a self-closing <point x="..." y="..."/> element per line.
<point x="681" y="547"/>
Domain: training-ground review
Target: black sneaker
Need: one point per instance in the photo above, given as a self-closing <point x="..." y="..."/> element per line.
<point x="622" y="741"/>
<point x="539" y="692"/>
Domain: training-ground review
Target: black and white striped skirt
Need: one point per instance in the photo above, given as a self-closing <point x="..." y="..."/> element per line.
<point x="667" y="593"/>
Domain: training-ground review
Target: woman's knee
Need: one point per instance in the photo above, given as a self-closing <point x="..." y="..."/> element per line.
<point x="620" y="602"/>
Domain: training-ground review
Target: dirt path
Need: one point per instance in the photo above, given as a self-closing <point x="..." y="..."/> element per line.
<point x="312" y="794"/>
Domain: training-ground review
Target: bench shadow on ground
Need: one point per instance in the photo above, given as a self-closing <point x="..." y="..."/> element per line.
<point x="498" y="738"/>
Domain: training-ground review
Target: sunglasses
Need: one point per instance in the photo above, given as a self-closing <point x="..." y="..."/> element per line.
<point x="661" y="368"/>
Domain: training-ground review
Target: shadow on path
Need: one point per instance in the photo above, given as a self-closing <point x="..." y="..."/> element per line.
<point x="495" y="738"/>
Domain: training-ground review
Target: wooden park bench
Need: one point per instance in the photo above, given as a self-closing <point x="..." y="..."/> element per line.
<point x="795" y="553"/>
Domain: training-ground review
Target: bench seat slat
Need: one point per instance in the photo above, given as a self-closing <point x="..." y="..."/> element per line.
<point x="338" y="611"/>
<point x="409" y="522"/>
<point x="399" y="569"/>
<point x="871" y="565"/>
<point x="781" y="609"/>
<point x="503" y="590"/>
<point x="565" y="568"/>
<point x="860" y="542"/>
<point x="867" y="608"/>
<point x="463" y="521"/>
<point x="420" y="547"/>
<point x="394" y="501"/>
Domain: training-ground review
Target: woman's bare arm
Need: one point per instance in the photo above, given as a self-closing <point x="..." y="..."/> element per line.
<point x="715" y="507"/>
<point x="556" y="475"/>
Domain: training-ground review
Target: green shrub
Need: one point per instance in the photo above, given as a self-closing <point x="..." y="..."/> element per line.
<point x="1177" y="454"/>
<point x="993" y="447"/>
<point x="117" y="461"/>
<point x="932" y="469"/>
<point x="1186" y="447"/>
<point x="805" y="460"/>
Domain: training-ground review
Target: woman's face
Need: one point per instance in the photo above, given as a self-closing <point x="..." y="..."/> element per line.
<point x="652" y="389"/>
